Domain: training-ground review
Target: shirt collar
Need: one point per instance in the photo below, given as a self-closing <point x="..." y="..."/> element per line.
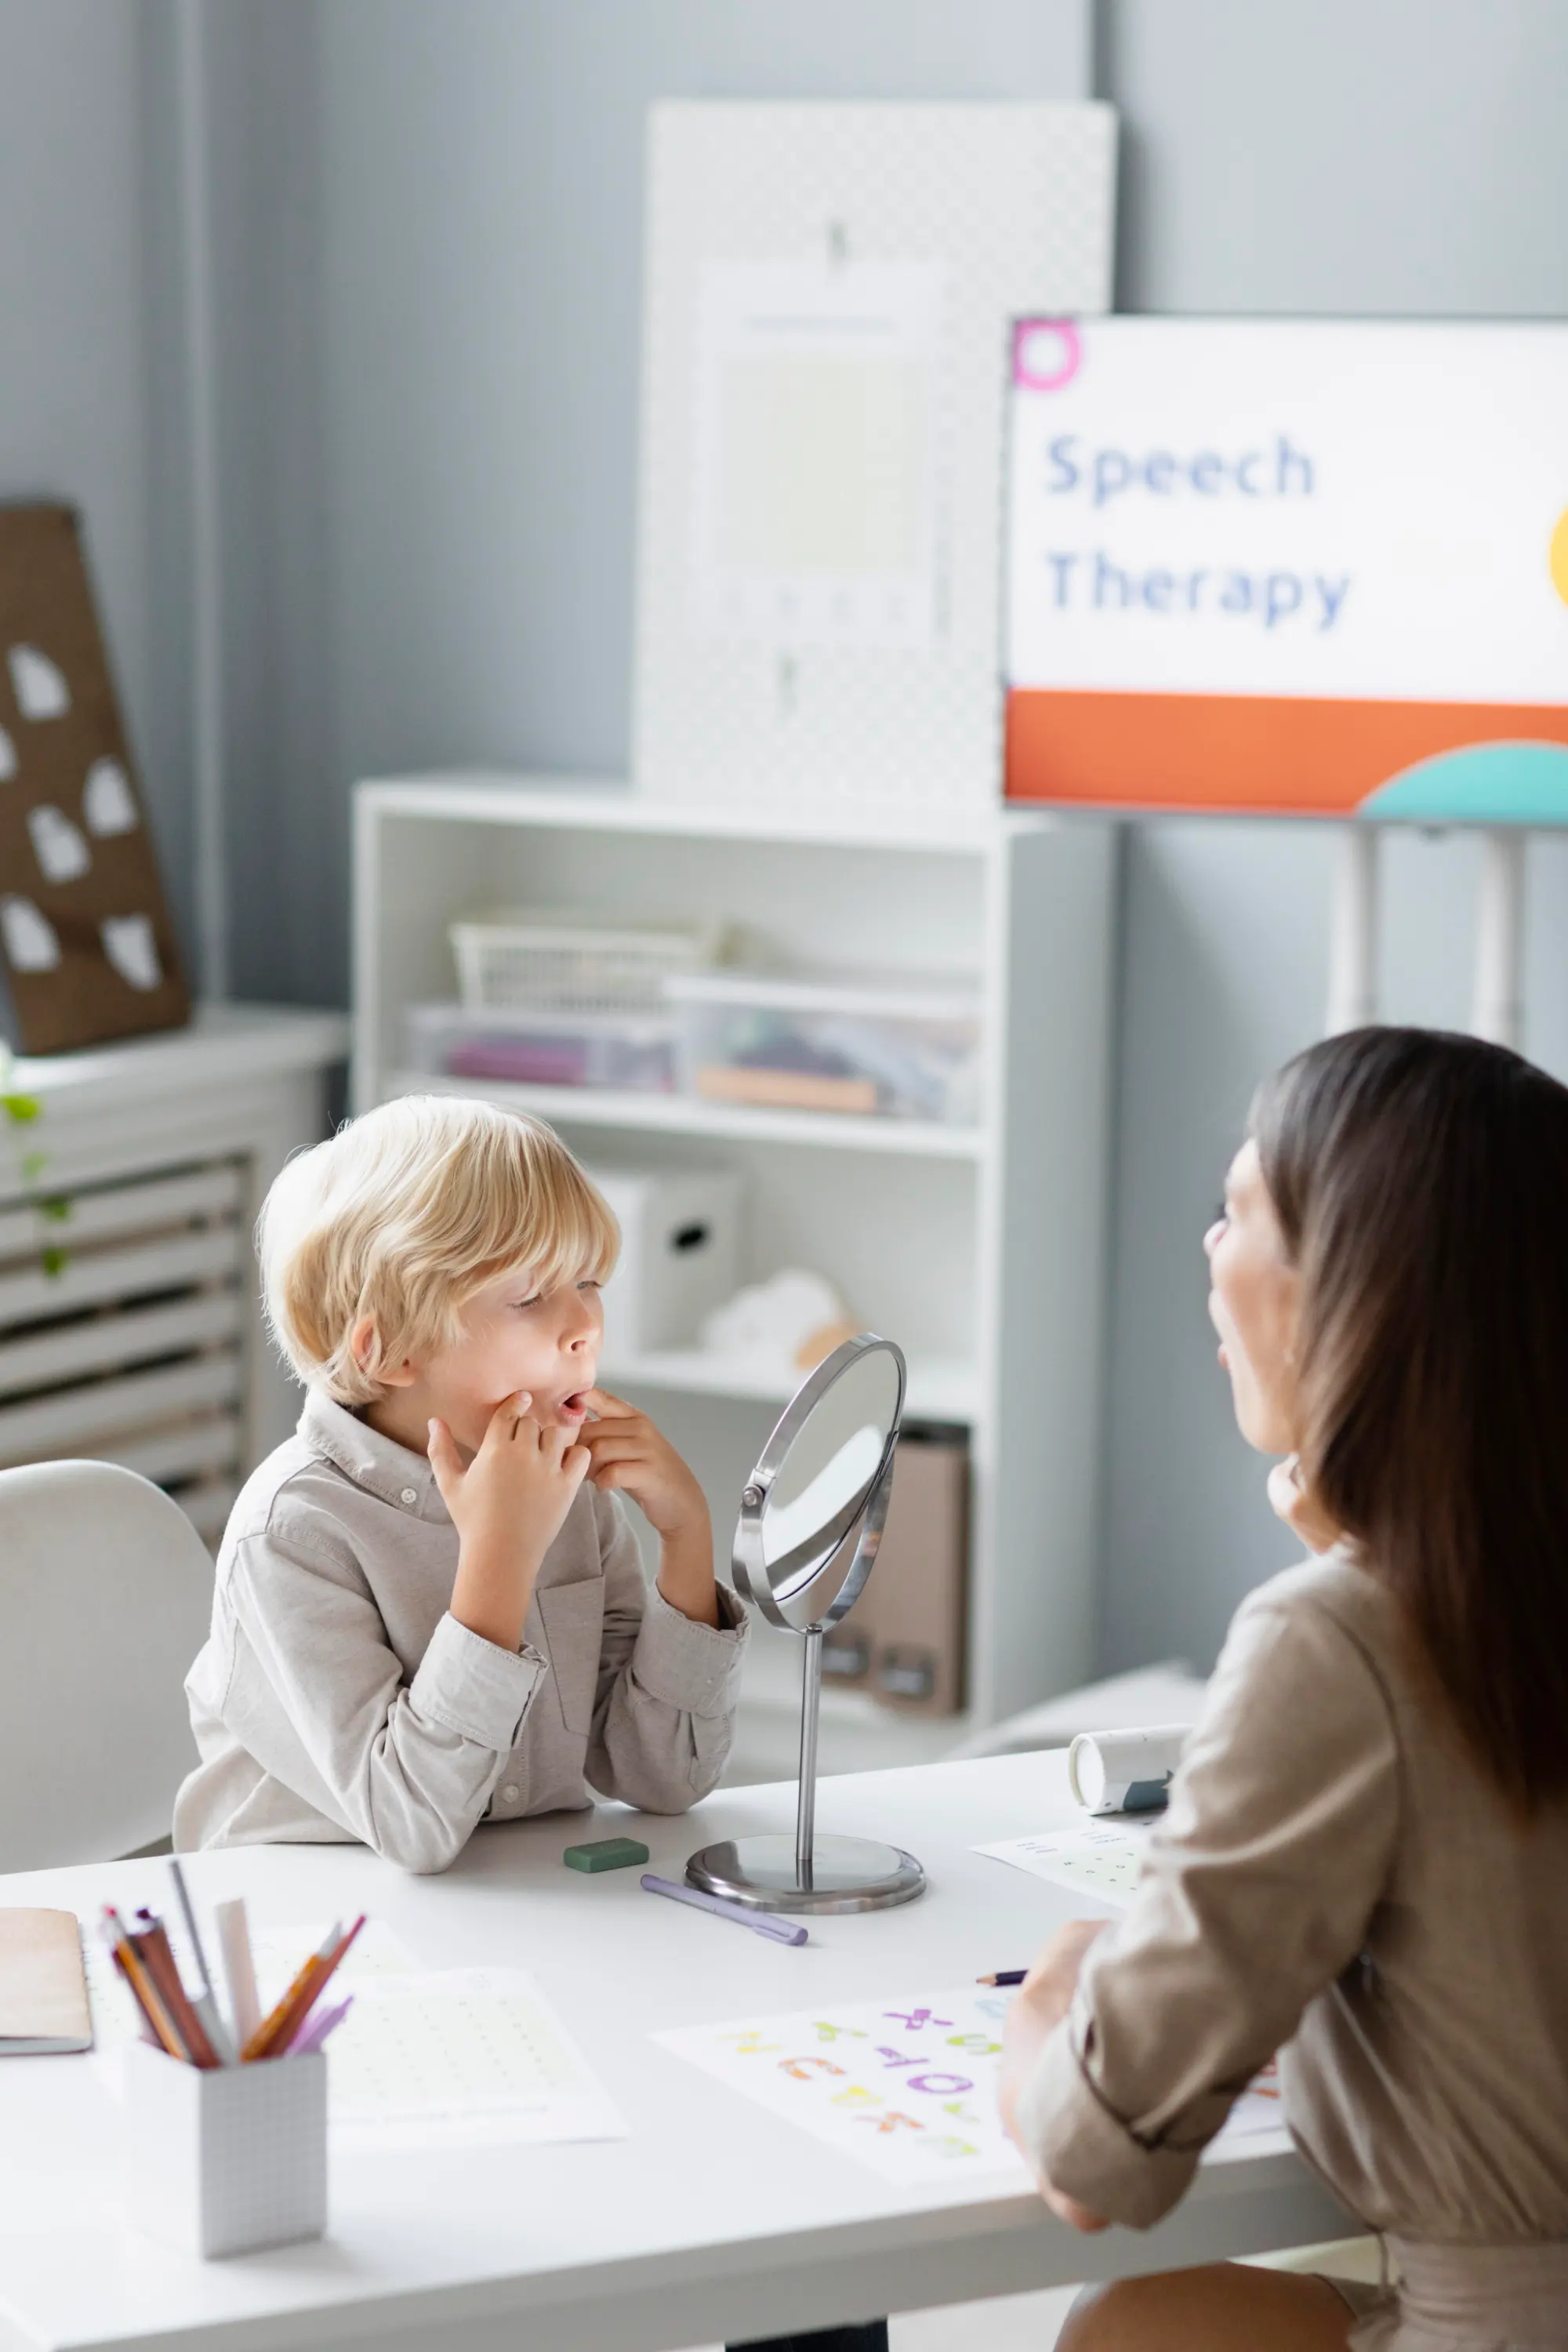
<point x="383" y="1467"/>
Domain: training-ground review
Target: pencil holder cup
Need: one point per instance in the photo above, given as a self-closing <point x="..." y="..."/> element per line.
<point x="222" y="2160"/>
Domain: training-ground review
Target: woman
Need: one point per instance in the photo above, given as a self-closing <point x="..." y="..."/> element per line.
<point x="1366" y="1851"/>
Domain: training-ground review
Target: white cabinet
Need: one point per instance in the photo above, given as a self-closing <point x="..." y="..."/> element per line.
<point x="979" y="1247"/>
<point x="130" y="1325"/>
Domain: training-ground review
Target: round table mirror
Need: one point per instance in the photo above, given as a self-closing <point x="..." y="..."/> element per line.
<point x="811" y="1520"/>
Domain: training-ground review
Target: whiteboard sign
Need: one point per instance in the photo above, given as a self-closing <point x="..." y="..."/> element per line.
<point x="1303" y="565"/>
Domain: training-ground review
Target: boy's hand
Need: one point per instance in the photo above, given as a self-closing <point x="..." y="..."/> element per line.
<point x="630" y="1456"/>
<point x="507" y="1507"/>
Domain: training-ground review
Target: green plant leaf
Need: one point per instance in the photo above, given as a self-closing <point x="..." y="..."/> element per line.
<point x="57" y="1210"/>
<point x="56" y="1259"/>
<point x="21" y="1110"/>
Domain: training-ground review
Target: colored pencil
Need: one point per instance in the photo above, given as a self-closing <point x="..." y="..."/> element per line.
<point x="150" y="1940"/>
<point x="273" y="2036"/>
<point x="313" y="2033"/>
<point x="129" y="1962"/>
<point x="1003" y="1977"/>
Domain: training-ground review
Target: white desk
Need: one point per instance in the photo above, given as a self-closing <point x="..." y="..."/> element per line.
<point x="713" y="2221"/>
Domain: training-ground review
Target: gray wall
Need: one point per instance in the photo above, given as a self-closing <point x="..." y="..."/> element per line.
<point x="76" y="380"/>
<point x="427" y="215"/>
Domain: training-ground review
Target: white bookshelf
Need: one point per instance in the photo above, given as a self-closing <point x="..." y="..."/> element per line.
<point x="600" y="1106"/>
<point x="980" y="1249"/>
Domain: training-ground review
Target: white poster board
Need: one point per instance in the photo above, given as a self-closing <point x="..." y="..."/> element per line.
<point x="829" y="292"/>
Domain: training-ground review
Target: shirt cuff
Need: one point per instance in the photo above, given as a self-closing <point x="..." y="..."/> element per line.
<point x="475" y="1689"/>
<point x="694" y="1667"/>
<point x="1084" y="2148"/>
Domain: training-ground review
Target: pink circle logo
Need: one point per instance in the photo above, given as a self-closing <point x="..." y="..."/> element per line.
<point x="1047" y="354"/>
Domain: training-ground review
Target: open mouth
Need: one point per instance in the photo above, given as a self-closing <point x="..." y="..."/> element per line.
<point x="574" y="1407"/>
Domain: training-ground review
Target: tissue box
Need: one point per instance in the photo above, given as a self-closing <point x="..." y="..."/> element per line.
<point x="225" y="2159"/>
<point x="680" y="1250"/>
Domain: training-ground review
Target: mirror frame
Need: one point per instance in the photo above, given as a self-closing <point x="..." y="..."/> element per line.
<point x="748" y="1561"/>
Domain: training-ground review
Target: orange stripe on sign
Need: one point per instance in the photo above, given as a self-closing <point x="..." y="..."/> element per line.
<point x="1285" y="755"/>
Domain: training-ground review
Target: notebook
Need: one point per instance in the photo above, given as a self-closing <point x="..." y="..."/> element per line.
<point x="43" y="1988"/>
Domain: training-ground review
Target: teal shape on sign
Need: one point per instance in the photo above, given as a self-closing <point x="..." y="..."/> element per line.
<point x="1485" y="783"/>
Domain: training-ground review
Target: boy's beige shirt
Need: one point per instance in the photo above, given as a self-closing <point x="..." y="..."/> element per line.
<point x="337" y="1698"/>
<point x="1336" y="1878"/>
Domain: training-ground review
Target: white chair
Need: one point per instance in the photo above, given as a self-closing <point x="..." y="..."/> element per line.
<point x="105" y="1593"/>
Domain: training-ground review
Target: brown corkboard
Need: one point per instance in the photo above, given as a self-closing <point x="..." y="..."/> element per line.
<point x="87" y="948"/>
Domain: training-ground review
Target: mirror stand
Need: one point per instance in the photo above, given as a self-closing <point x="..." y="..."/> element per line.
<point x="816" y="1581"/>
<point x="808" y="1872"/>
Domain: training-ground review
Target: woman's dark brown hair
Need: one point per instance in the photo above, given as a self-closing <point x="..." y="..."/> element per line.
<point x="1422" y="1183"/>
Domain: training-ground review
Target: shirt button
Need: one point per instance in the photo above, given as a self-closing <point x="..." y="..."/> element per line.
<point x="511" y="1793"/>
<point x="410" y="1495"/>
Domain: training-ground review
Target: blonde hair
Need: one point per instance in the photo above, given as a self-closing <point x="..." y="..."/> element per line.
<point x="401" y="1216"/>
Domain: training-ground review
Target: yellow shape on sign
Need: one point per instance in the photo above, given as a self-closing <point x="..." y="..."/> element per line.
<point x="1557" y="556"/>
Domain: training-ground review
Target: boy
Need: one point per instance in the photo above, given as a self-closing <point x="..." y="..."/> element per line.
<point x="431" y="1608"/>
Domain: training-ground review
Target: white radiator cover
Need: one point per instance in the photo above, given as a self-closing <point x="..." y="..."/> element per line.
<point x="130" y="1323"/>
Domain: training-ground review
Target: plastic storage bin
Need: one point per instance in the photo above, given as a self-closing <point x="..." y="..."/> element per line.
<point x="679" y="1254"/>
<point x="893" y="1049"/>
<point x="636" y="1053"/>
<point x="224" y="2161"/>
<point x="523" y="959"/>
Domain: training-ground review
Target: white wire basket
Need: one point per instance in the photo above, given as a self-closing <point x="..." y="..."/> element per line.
<point x="516" y="961"/>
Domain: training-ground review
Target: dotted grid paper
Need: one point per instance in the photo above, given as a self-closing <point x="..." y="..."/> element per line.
<point x="1103" y="1858"/>
<point x="906" y="2087"/>
<point x="465" y="2056"/>
<point x="451" y="2058"/>
<point x="1009" y="211"/>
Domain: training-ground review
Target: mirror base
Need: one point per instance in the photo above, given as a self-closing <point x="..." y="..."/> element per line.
<point x="847" y="1873"/>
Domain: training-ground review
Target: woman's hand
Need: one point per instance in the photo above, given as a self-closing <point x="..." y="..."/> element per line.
<point x="1291" y="1502"/>
<point x="1042" y="2001"/>
<point x="507" y="1507"/>
<point x="629" y="1456"/>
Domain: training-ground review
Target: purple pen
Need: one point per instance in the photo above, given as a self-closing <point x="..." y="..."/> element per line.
<point x="315" y="2029"/>
<point x="780" y="1931"/>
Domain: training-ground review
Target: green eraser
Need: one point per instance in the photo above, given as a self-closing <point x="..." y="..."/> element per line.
<point x="604" y="1853"/>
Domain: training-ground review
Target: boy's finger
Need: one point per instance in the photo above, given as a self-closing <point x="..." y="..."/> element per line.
<point x="445" y="1459"/>
<point x="608" y="1407"/>
<point x="610" y="1448"/>
<point x="508" y="1413"/>
<point x="574" y="1462"/>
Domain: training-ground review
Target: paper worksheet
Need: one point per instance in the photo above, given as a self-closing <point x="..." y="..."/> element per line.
<point x="449" y="2058"/>
<point x="1098" y="1856"/>
<point x="907" y="2087"/>
<point x="459" y="2058"/>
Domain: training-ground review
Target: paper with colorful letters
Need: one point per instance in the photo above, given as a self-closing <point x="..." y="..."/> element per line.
<point x="907" y="2087"/>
